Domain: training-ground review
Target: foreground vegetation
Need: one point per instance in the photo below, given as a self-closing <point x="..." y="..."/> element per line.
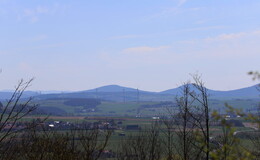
<point x="187" y="130"/>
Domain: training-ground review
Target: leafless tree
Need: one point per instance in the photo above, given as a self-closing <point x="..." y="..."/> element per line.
<point x="93" y="141"/>
<point x="201" y="113"/>
<point x="255" y="136"/>
<point x="169" y="140"/>
<point x="255" y="74"/>
<point x="12" y="111"/>
<point x="185" y="124"/>
<point x="45" y="144"/>
<point x="146" y="145"/>
<point x="77" y="144"/>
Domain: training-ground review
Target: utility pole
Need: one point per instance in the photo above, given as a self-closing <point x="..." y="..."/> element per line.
<point x="96" y="93"/>
<point x="124" y="95"/>
<point x="138" y="96"/>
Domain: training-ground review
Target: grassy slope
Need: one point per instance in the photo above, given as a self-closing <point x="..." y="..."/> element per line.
<point x="133" y="108"/>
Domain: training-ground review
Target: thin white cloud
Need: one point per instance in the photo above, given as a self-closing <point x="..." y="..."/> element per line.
<point x="182" y="2"/>
<point x="144" y="49"/>
<point x="125" y="37"/>
<point x="56" y="45"/>
<point x="228" y="46"/>
<point x="33" y="14"/>
<point x="241" y="45"/>
<point x="233" y="36"/>
<point x="40" y="37"/>
<point x="201" y="28"/>
<point x="43" y="46"/>
<point x="223" y="37"/>
<point x="152" y="35"/>
<point x="173" y="10"/>
<point x="139" y="57"/>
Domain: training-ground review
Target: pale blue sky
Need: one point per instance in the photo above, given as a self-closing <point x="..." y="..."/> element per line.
<point x="147" y="44"/>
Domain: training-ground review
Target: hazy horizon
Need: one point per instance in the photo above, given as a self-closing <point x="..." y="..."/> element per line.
<point x="150" y="45"/>
<point x="86" y="89"/>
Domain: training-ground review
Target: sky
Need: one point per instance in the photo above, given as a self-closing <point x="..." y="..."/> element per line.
<point x="147" y="44"/>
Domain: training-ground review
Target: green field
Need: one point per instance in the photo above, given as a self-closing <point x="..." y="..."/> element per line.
<point x="131" y="109"/>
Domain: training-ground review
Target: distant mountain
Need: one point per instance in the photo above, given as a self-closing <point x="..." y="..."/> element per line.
<point x="53" y="92"/>
<point x="250" y="92"/>
<point x="113" y="88"/>
<point x="7" y="94"/>
<point x="120" y="93"/>
<point x="178" y="90"/>
<point x="174" y="91"/>
<point x="238" y="93"/>
<point x="108" y="93"/>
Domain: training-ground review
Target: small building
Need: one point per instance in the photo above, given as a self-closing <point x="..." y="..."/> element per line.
<point x="121" y="134"/>
<point x="132" y="127"/>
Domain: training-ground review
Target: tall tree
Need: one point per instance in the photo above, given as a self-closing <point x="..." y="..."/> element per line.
<point x="184" y="123"/>
<point x="201" y="113"/>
